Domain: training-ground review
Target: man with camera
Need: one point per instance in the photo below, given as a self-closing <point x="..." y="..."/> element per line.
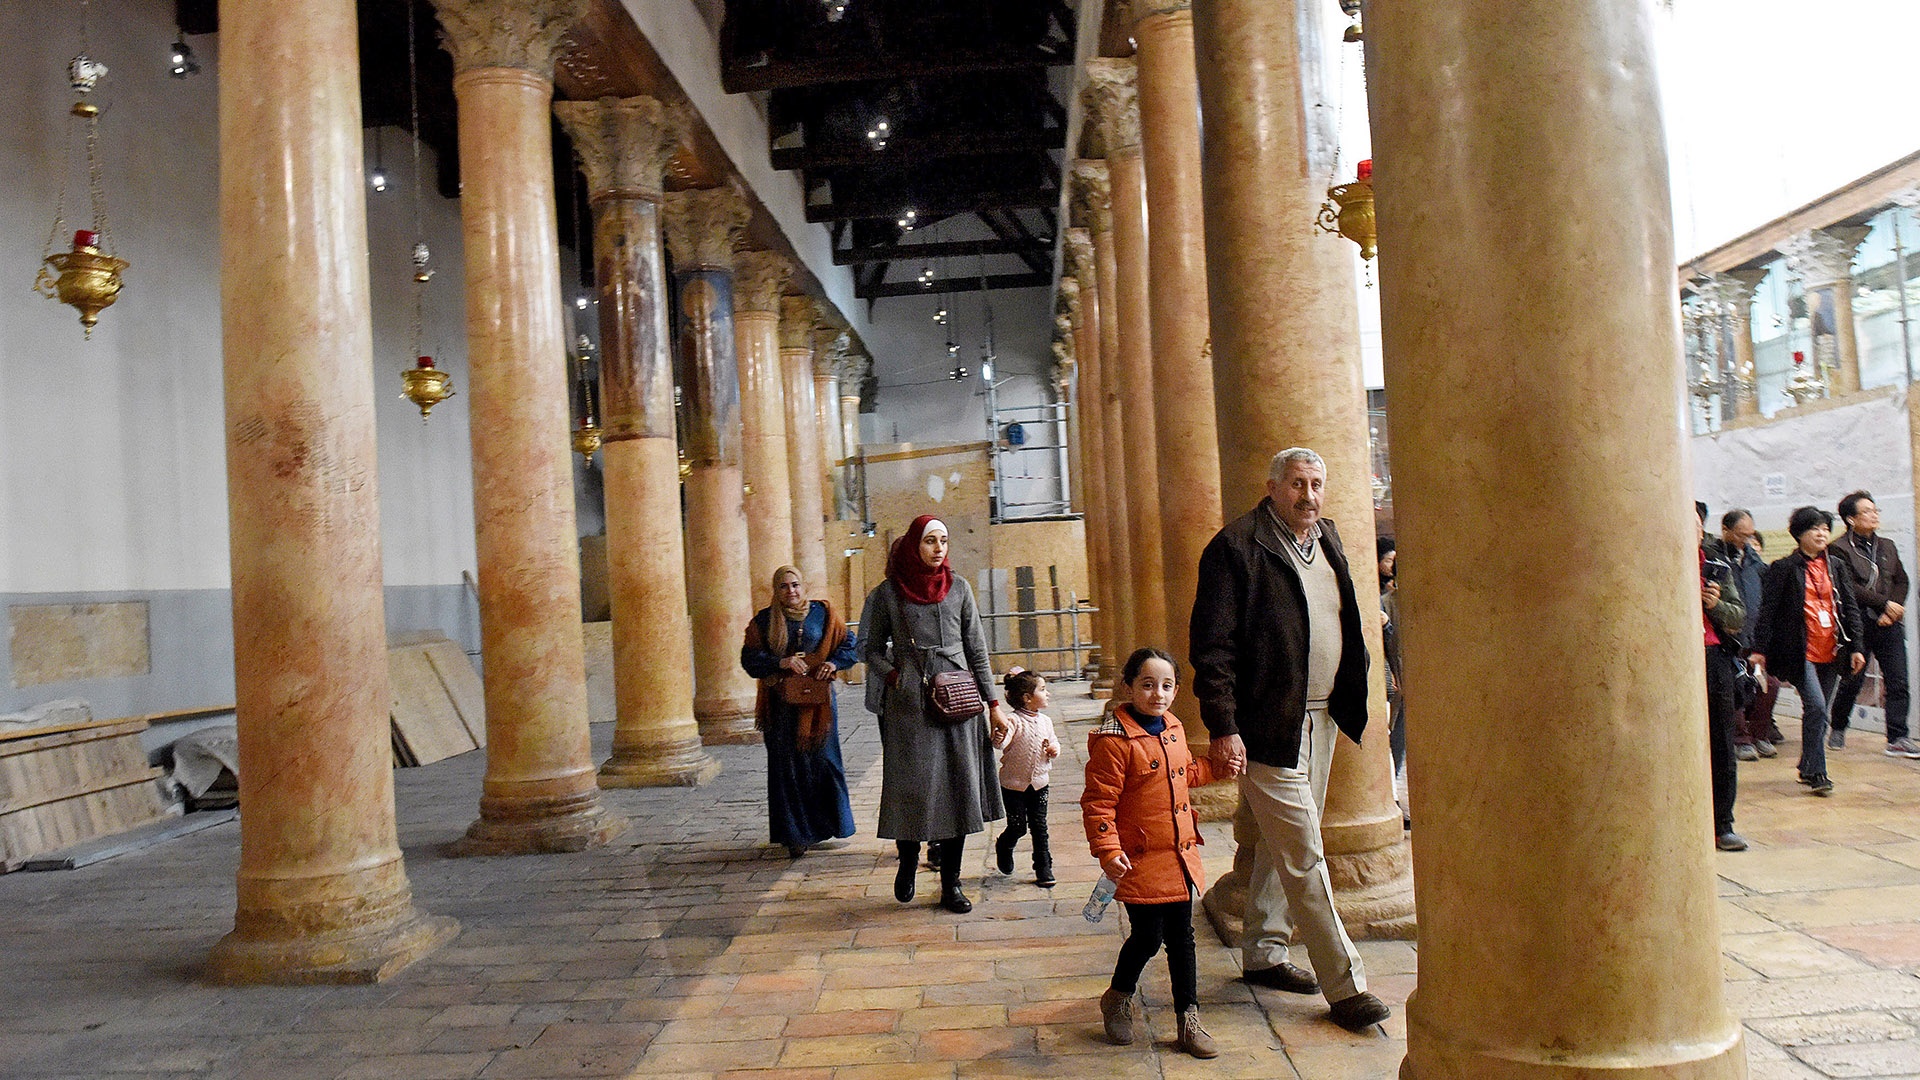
<point x="1721" y="618"/>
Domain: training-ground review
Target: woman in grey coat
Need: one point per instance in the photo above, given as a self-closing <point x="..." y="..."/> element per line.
<point x="937" y="778"/>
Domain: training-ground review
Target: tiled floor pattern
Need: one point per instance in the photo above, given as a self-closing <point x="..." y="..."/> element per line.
<point x="692" y="948"/>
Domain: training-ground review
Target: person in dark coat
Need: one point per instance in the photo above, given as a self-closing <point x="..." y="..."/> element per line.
<point x="1808" y="633"/>
<point x="1880" y="584"/>
<point x="938" y="780"/>
<point x="798" y="638"/>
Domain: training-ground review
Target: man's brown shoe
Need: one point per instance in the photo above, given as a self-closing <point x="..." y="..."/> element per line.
<point x="1283" y="976"/>
<point x="1194" y="1038"/>
<point x="1116" y="1011"/>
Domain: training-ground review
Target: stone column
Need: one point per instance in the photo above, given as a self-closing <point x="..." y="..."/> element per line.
<point x="1590" y="856"/>
<point x="539" y="794"/>
<point x="1084" y="306"/>
<point x="1286" y="361"/>
<point x="701" y="227"/>
<point x="828" y="346"/>
<point x="851" y="374"/>
<point x="1736" y="292"/>
<point x="1093" y="205"/>
<point x="759" y="278"/>
<point x="626" y="145"/>
<point x="1110" y="87"/>
<point x="803" y="441"/>
<point x="1186" y="440"/>
<point x="1823" y="261"/>
<point x="323" y="894"/>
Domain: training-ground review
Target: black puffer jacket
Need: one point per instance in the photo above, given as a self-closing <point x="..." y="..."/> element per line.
<point x="1249" y="636"/>
<point x="1780" y="631"/>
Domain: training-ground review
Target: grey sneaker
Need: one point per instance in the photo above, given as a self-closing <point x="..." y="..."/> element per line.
<point x="1837" y="739"/>
<point x="1903" y="747"/>
<point x="1765" y="748"/>
<point x="1746" y="752"/>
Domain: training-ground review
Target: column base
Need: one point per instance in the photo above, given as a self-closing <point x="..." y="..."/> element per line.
<point x="655" y="766"/>
<point x="727" y="722"/>
<point x="1433" y="1055"/>
<point x="1373" y="892"/>
<point x="351" y="955"/>
<point x="545" y="825"/>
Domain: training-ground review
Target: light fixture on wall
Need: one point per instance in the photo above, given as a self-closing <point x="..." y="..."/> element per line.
<point x="423" y="384"/>
<point x="180" y="59"/>
<point x="88" y="277"/>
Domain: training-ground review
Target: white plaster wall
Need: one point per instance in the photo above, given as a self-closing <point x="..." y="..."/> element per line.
<point x="112" y="461"/>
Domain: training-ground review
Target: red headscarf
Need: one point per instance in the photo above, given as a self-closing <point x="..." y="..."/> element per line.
<point x="918" y="582"/>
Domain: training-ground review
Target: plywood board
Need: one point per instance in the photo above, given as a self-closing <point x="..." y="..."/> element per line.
<point x="463" y="685"/>
<point x="423" y="714"/>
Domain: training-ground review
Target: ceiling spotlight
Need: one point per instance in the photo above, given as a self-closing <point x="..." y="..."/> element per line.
<point x="957" y="373"/>
<point x="180" y="59"/>
<point x="580" y="302"/>
<point x="986" y="370"/>
<point x="377" y="178"/>
<point x="953" y="350"/>
<point x="836" y="9"/>
<point x="940" y="317"/>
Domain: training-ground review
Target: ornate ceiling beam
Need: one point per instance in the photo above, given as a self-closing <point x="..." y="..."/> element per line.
<point x="944" y="249"/>
<point x="931" y="206"/>
<point x="879" y="290"/>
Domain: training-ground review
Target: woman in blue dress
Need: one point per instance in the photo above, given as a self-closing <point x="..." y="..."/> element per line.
<point x="798" y="638"/>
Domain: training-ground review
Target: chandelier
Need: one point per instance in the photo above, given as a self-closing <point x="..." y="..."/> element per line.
<point x="87" y="276"/>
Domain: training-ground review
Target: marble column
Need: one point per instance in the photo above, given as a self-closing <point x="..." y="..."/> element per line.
<point x="1286" y="361"/>
<point x="759" y="279"/>
<point x="1186" y="441"/>
<point x="803" y="441"/>
<point x="1590" y="857"/>
<point x="539" y="794"/>
<point x="828" y="346"/>
<point x="625" y="145"/>
<point x="701" y="228"/>
<point x="322" y="891"/>
<point x="1823" y="261"/>
<point x="1084" y="306"/>
<point x="851" y="374"/>
<point x="1092" y="204"/>
<point x="1736" y="292"/>
<point x="1110" y="88"/>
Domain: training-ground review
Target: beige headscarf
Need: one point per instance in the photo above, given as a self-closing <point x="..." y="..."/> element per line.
<point x="776" y="624"/>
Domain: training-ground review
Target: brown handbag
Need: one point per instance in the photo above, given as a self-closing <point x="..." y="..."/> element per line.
<point x="805" y="690"/>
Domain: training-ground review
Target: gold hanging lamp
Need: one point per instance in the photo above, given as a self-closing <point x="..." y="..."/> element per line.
<point x="1349" y="210"/>
<point x="423" y="384"/>
<point x="87" y="277"/>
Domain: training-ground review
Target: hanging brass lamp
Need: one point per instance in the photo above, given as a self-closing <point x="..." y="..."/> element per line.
<point x="1349" y="210"/>
<point x="427" y="385"/>
<point x="86" y="277"/>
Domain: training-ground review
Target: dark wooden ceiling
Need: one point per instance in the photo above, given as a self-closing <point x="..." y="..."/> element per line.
<point x="972" y="138"/>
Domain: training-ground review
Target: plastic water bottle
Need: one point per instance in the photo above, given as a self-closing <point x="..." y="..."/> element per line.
<point x="1103" y="891"/>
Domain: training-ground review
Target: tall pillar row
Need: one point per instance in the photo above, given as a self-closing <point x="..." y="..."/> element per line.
<point x="701" y="228"/>
<point x="625" y="145"/>
<point x="540" y="793"/>
<point x="850" y="372"/>
<point x="1083" y="307"/>
<point x="1092" y="203"/>
<point x="1602" y="877"/>
<point x="803" y="440"/>
<point x="759" y="279"/>
<point x="1736" y="291"/>
<point x="827" y="346"/>
<point x="322" y="891"/>
<point x="1111" y="92"/>
<point x="1186" y="442"/>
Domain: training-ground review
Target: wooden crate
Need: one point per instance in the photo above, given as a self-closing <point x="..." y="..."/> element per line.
<point x="73" y="784"/>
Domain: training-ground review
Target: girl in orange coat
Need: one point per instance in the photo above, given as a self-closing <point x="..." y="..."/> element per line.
<point x="1142" y="827"/>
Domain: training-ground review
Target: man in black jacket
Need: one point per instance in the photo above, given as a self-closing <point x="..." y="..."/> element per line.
<point x="1279" y="664"/>
<point x="1880" y="586"/>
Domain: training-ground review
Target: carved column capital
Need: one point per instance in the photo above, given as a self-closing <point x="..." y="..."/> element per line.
<point x="624" y="143"/>
<point x="1092" y="195"/>
<point x="702" y="226"/>
<point x="522" y="34"/>
<point x="759" y="277"/>
<point x="797" y="316"/>
<point x="1068" y="301"/>
<point x="829" y="349"/>
<point x="1063" y="328"/>
<point x="1112" y="101"/>
<point x="851" y="369"/>
<point x="1147" y="9"/>
<point x="1823" y="257"/>
<point x="1079" y="255"/>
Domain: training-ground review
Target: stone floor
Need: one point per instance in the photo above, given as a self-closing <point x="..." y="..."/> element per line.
<point x="692" y="948"/>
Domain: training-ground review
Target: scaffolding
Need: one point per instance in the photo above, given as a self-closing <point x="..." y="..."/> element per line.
<point x="1002" y="453"/>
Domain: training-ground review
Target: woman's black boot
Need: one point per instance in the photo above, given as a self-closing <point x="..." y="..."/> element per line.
<point x="903" y="877"/>
<point x="951" y="898"/>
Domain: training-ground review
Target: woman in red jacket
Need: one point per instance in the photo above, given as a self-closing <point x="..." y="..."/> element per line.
<point x="1143" y="829"/>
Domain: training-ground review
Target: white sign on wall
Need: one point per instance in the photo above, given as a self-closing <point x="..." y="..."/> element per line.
<point x="1775" y="484"/>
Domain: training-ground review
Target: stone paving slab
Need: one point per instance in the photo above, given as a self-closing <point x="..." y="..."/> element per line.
<point x="693" y="948"/>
